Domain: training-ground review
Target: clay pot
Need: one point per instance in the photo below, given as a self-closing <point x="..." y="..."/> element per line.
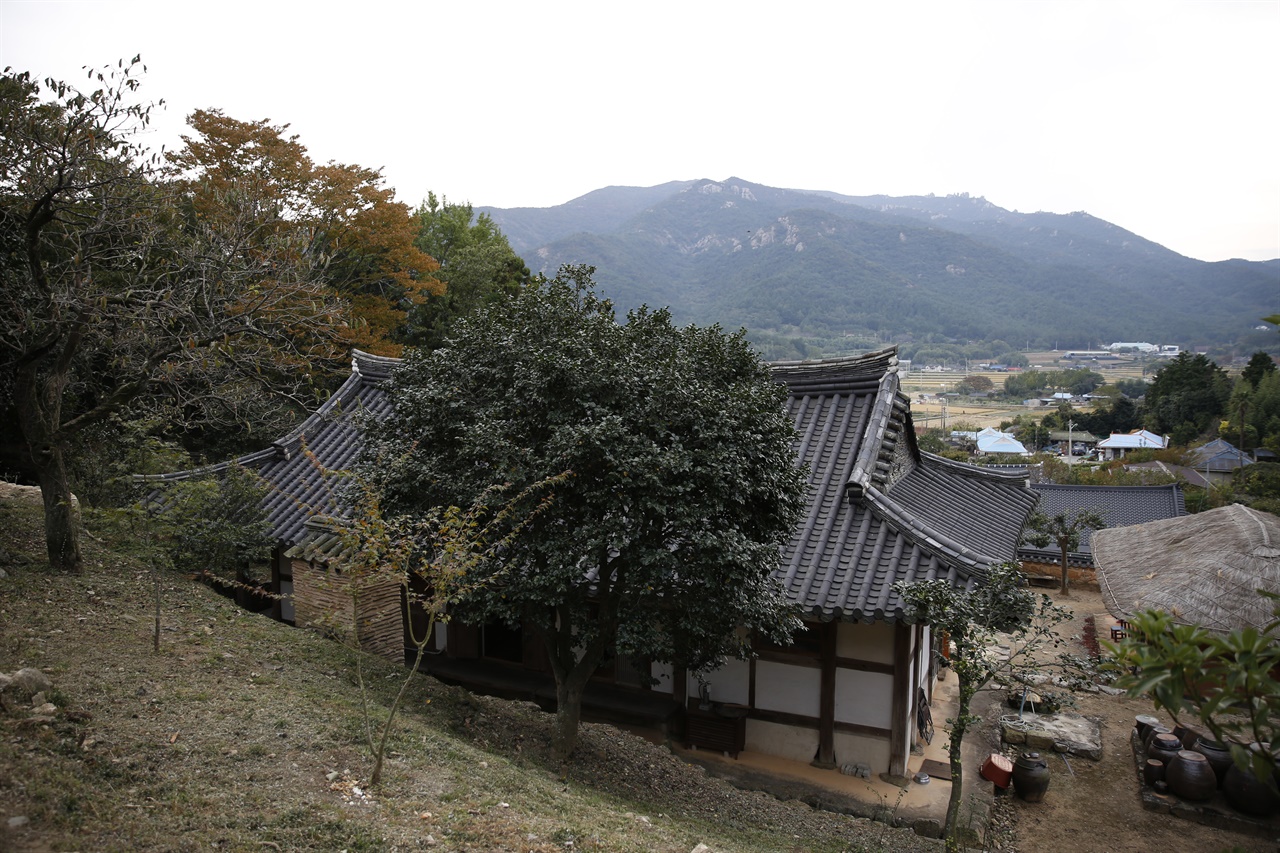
<point x="1143" y="723"/>
<point x="1190" y="776"/>
<point x="1248" y="794"/>
<point x="1153" y="771"/>
<point x="1157" y="729"/>
<point x="1164" y="747"/>
<point x="1031" y="777"/>
<point x="1189" y="735"/>
<point x="1217" y="754"/>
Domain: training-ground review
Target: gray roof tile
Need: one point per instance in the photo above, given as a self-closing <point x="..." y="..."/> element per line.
<point x="1119" y="506"/>
<point x="879" y="510"/>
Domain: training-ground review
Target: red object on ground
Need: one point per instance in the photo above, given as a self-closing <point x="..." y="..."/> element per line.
<point x="998" y="769"/>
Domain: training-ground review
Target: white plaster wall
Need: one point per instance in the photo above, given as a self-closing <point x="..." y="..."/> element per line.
<point x="789" y="742"/>
<point x="286" y="600"/>
<point x="862" y="749"/>
<point x="863" y="697"/>
<point x="861" y="641"/>
<point x="793" y="689"/>
<point x="730" y="683"/>
<point x="662" y="672"/>
<point x="925" y="654"/>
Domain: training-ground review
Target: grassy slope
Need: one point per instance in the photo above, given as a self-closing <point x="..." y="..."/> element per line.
<point x="226" y="739"/>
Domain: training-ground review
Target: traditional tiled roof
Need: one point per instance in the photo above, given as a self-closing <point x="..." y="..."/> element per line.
<point x="879" y="510"/>
<point x="1119" y="506"/>
<point x="1219" y="456"/>
<point x="1188" y="476"/>
<point x="297" y="487"/>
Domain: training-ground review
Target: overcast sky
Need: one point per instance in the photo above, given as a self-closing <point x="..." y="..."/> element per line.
<point x="1161" y="117"/>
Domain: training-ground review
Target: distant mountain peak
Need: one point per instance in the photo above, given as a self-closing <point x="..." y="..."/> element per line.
<point x="817" y="264"/>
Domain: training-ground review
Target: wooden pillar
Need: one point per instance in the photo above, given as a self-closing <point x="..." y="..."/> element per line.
<point x="827" y="700"/>
<point x="900" y="724"/>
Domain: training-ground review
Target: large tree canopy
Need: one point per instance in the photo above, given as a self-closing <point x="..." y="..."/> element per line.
<point x="682" y="481"/>
<point x="341" y="217"/>
<point x="477" y="264"/>
<point x="1186" y="397"/>
<point x="114" y="295"/>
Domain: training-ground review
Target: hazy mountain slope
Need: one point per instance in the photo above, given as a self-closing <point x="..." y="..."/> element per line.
<point x="819" y="264"/>
<point x="598" y="212"/>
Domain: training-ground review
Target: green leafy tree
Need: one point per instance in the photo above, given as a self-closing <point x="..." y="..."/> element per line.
<point x="114" y="299"/>
<point x="660" y="544"/>
<point x="1260" y="365"/>
<point x="1264" y="411"/>
<point x="1000" y="611"/>
<point x="1187" y="397"/>
<point x="1225" y="681"/>
<point x="1063" y="530"/>
<point x="1081" y="382"/>
<point x="974" y="384"/>
<point x="1132" y="388"/>
<point x="1029" y="384"/>
<point x="1030" y="430"/>
<point x="477" y="265"/>
<point x="215" y="526"/>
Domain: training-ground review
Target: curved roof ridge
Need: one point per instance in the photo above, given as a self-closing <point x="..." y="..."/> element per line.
<point x="932" y="541"/>
<point x="1252" y="528"/>
<point x="346" y="393"/>
<point x="971" y="470"/>
<point x="249" y="460"/>
<point x="373" y="366"/>
<point x="1109" y="487"/>
<point x="366" y="368"/>
<point x="864" y="469"/>
<point x="845" y="367"/>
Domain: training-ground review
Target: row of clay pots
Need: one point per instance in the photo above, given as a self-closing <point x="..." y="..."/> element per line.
<point x="1195" y="773"/>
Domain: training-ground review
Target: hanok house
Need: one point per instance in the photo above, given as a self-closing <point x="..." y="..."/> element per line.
<point x="847" y="690"/>
<point x="1118" y="506"/>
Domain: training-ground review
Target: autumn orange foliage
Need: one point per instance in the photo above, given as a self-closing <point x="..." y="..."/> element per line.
<point x="339" y="220"/>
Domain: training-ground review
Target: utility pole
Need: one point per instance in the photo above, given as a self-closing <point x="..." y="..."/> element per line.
<point x="1071" y="425"/>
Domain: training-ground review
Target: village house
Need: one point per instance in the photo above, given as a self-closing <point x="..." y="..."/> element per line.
<point x="1218" y="460"/>
<point x="1118" y="444"/>
<point x="849" y="687"/>
<point x="1117" y="506"/>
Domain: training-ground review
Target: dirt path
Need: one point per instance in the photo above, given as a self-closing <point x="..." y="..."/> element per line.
<point x="1095" y="805"/>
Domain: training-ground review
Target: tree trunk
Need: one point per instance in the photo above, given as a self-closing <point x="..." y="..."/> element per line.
<point x="1065" y="579"/>
<point x="569" y="692"/>
<point x="39" y="408"/>
<point x="61" y="530"/>
<point x="951" y="827"/>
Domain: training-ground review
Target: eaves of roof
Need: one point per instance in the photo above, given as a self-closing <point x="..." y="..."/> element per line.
<point x="880" y="512"/>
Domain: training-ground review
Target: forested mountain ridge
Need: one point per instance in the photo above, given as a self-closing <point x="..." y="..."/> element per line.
<point x="822" y="265"/>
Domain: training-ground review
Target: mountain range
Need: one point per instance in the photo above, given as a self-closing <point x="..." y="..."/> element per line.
<point x="824" y="267"/>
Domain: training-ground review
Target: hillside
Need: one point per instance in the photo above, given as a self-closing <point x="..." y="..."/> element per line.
<point x="245" y="734"/>
<point x="824" y="266"/>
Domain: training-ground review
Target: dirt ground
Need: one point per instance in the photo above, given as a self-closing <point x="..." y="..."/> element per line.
<point x="1095" y="805"/>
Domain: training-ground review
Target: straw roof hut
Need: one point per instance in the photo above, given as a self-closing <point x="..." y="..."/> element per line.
<point x="1202" y="569"/>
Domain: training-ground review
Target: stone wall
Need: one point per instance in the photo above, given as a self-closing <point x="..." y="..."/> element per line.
<point x="1079" y="576"/>
<point x="322" y="600"/>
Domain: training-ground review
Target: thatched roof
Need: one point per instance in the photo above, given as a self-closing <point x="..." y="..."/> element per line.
<point x="1202" y="569"/>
